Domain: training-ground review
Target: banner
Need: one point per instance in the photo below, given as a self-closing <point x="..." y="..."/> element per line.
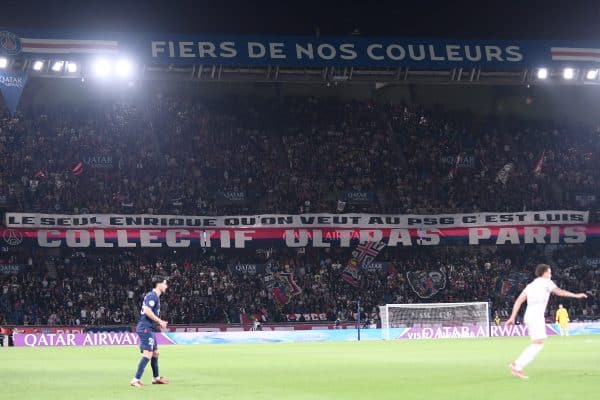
<point x="512" y="283"/>
<point x="297" y="238"/>
<point x="281" y="285"/>
<point x="303" y="51"/>
<point x="83" y="339"/>
<point x="364" y="255"/>
<point x="292" y="335"/>
<point x="291" y="221"/>
<point x="12" y="84"/>
<point x="427" y="284"/>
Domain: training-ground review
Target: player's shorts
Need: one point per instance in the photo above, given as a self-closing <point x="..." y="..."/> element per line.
<point x="537" y="329"/>
<point x="563" y="325"/>
<point x="147" y="340"/>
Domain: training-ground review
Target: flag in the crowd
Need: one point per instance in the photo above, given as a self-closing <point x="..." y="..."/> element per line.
<point x="364" y="254"/>
<point x="504" y="173"/>
<point x="281" y="285"/>
<point x="454" y="170"/>
<point x="425" y="283"/>
<point x="40" y="174"/>
<point x="351" y="273"/>
<point x="510" y="284"/>
<point x="78" y="169"/>
<point x="539" y="164"/>
<point x="392" y="271"/>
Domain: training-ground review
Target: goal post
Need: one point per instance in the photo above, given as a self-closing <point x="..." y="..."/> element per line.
<point x="435" y="320"/>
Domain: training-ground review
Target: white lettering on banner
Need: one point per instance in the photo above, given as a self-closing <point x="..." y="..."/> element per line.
<point x="447" y="333"/>
<point x="99" y="239"/>
<point x="147" y="239"/>
<point x="509" y="330"/>
<point x="309" y="49"/>
<point x="240" y="238"/>
<point x="365" y="221"/>
<point x="173" y="240"/>
<point x="531" y="234"/>
<point x="188" y="49"/>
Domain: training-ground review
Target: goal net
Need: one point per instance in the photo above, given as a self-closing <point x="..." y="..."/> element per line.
<point x="435" y="320"/>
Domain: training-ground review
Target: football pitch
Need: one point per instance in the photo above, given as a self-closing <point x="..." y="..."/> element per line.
<point x="567" y="368"/>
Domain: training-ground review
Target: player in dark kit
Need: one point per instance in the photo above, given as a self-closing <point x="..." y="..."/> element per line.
<point x="150" y="320"/>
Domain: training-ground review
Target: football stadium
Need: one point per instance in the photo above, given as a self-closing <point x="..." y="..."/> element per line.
<point x="260" y="216"/>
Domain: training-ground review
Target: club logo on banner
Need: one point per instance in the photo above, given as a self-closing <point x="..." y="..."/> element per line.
<point x="12" y="84"/>
<point x="10" y="44"/>
<point x="12" y="237"/>
<point x="427" y="284"/>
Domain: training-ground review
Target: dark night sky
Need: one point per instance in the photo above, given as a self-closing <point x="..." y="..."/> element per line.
<point x="461" y="19"/>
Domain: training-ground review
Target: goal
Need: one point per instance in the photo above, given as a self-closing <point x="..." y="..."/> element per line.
<point x="435" y="320"/>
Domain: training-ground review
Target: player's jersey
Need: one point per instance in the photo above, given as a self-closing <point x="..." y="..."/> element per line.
<point x="152" y="301"/>
<point x="538" y="293"/>
<point x="562" y="316"/>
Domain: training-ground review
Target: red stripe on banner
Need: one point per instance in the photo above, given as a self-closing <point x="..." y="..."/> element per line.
<point x="68" y="46"/>
<point x="53" y="237"/>
<point x="576" y="53"/>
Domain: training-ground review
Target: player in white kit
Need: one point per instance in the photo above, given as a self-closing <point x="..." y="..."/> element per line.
<point x="537" y="294"/>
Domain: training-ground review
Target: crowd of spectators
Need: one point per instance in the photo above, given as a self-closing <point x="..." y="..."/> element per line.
<point x="289" y="155"/>
<point x="81" y="289"/>
<point x="240" y="155"/>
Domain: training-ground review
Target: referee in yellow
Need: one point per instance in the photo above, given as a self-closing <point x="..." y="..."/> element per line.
<point x="562" y="319"/>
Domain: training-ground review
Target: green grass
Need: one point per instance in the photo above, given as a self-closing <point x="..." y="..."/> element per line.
<point x="567" y="368"/>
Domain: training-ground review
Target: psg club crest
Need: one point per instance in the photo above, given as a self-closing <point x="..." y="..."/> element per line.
<point x="10" y="44"/>
<point x="426" y="283"/>
<point x="12" y="237"/>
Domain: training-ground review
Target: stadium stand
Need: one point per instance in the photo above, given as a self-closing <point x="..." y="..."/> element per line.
<point x="300" y="154"/>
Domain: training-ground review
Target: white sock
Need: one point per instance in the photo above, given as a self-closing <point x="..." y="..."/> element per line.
<point x="528" y="355"/>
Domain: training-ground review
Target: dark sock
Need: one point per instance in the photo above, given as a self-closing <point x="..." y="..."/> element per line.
<point x="154" y="365"/>
<point x="141" y="366"/>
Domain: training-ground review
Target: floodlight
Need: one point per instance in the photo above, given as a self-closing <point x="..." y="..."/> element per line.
<point x="568" y="73"/>
<point x="58" y="66"/>
<point x="591" y="74"/>
<point x="542" y="73"/>
<point x="102" y="67"/>
<point x="38" y="65"/>
<point x="124" y="68"/>
<point x="3" y="62"/>
<point x="71" y="67"/>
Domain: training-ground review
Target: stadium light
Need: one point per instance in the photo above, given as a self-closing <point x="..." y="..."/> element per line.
<point x="3" y="62"/>
<point x="591" y="74"/>
<point x="102" y="67"/>
<point x="57" y="66"/>
<point x="542" y="73"/>
<point x="124" y="68"/>
<point x="38" y="65"/>
<point x="71" y="67"/>
<point x="568" y="73"/>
